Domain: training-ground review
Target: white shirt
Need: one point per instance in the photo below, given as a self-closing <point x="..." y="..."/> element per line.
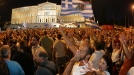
<point x="79" y="70"/>
<point x="115" y="55"/>
<point x="131" y="71"/>
<point x="107" y="73"/>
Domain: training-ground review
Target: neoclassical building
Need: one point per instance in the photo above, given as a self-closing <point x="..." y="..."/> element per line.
<point x="42" y="13"/>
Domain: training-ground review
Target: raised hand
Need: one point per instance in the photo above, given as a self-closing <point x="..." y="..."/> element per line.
<point x="90" y="67"/>
<point x="76" y="58"/>
<point x="121" y="37"/>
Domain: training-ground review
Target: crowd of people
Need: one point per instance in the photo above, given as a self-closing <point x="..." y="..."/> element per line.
<point x="66" y="51"/>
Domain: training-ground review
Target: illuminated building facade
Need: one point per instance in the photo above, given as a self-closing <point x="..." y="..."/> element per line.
<point x="42" y="13"/>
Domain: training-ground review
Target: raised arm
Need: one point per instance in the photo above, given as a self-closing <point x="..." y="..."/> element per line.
<point x="121" y="47"/>
<point x="68" y="42"/>
<point x="122" y="37"/>
<point x="69" y="67"/>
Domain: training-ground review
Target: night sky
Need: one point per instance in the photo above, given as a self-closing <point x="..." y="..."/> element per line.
<point x="120" y="8"/>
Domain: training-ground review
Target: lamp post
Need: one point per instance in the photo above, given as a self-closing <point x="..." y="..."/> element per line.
<point x="133" y="14"/>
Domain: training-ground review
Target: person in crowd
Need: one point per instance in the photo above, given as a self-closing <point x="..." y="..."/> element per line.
<point x="109" y="48"/>
<point x="77" y="65"/>
<point x="59" y="49"/>
<point x="105" y="65"/>
<point x="14" y="67"/>
<point x="70" y="36"/>
<point x="116" y="40"/>
<point x="3" y="67"/>
<point x="115" y="55"/>
<point x="24" y="59"/>
<point x="79" y="40"/>
<point x="47" y="44"/>
<point x="129" y="56"/>
<point x="83" y="52"/>
<point x="45" y="67"/>
<point x="97" y="55"/>
<point x="14" y="50"/>
<point x="35" y="44"/>
<point x="101" y="40"/>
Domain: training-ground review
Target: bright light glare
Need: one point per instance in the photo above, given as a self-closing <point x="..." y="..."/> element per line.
<point x="133" y="6"/>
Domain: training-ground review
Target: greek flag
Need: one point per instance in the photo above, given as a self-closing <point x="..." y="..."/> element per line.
<point x="83" y="8"/>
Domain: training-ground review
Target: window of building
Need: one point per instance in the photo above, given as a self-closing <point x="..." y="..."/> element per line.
<point x="40" y="20"/>
<point x="47" y="13"/>
<point x="46" y="20"/>
<point x="34" y="20"/>
<point x="16" y="22"/>
<point x="58" y="13"/>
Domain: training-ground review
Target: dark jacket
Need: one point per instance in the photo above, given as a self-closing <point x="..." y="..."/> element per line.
<point x="44" y="71"/>
<point x="26" y="62"/>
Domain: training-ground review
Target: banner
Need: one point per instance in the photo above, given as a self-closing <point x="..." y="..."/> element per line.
<point x="107" y="27"/>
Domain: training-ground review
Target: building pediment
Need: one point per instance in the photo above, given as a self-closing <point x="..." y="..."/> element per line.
<point x="46" y="3"/>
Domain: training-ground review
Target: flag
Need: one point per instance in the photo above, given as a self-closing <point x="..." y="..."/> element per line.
<point x="83" y="8"/>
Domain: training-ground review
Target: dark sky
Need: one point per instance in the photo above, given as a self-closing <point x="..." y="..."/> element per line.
<point x="121" y="8"/>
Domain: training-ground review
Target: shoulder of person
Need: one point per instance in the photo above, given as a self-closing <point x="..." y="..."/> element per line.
<point x="15" y="62"/>
<point x="102" y="51"/>
<point x="43" y="71"/>
<point x="51" y="62"/>
<point x="106" y="73"/>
